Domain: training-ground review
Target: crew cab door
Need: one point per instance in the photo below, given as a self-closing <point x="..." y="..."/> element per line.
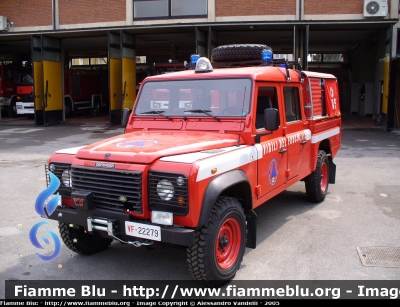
<point x="298" y="138"/>
<point x="272" y="148"/>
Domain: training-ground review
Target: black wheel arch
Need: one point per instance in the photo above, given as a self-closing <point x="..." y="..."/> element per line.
<point x="234" y="184"/>
<point x="325" y="145"/>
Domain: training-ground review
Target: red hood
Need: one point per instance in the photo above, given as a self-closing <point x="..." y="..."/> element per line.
<point x="145" y="147"/>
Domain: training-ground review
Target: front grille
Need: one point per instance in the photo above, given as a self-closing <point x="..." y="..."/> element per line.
<point x="26" y="98"/>
<point x="178" y="204"/>
<point x="112" y="189"/>
<point x="57" y="169"/>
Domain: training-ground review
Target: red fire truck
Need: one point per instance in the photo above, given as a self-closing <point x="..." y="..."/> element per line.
<point x="168" y="67"/>
<point x="84" y="89"/>
<point x="25" y="102"/>
<point x="8" y="88"/>
<point x="202" y="149"/>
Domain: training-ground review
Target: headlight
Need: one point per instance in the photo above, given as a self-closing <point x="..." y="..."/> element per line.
<point x="52" y="167"/>
<point x="168" y="192"/>
<point x="66" y="178"/>
<point x="165" y="189"/>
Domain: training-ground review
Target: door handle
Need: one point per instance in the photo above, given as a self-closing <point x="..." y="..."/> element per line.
<point x="283" y="151"/>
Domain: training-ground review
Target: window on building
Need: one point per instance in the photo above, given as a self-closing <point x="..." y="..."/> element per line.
<point x="150" y="8"/>
<point x="165" y="9"/>
<point x="188" y="7"/>
<point x="89" y="62"/>
<point x="286" y="56"/>
<point x="141" y="59"/>
<point x="325" y="57"/>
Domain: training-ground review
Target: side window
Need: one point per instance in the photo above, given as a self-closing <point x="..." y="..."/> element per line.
<point x="292" y="103"/>
<point x="266" y="98"/>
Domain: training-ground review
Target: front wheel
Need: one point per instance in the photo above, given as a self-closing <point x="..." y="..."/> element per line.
<point x="12" y="108"/>
<point x="219" y="245"/>
<point x="317" y="182"/>
<point x="80" y="241"/>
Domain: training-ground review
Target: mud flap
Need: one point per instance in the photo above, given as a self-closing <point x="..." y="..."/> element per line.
<point x="251" y="220"/>
<point x="332" y="171"/>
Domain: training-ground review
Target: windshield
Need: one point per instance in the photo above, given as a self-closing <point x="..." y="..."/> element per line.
<point x="205" y="98"/>
<point x="25" y="77"/>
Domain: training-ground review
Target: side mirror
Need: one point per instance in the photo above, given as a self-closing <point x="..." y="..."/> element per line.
<point x="125" y="117"/>
<point x="271" y="119"/>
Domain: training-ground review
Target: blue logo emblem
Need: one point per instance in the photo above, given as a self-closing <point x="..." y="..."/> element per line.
<point x="44" y="210"/>
<point x="140" y="143"/>
<point x="273" y="172"/>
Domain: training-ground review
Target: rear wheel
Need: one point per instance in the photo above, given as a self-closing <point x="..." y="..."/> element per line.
<point x="79" y="241"/>
<point x="318" y="181"/>
<point x="219" y="245"/>
<point x="96" y="106"/>
<point x="68" y="107"/>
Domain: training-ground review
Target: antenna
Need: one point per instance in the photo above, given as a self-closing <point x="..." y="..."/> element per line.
<point x="241" y="117"/>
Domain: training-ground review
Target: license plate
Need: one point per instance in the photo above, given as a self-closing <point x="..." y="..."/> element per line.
<point x="143" y="231"/>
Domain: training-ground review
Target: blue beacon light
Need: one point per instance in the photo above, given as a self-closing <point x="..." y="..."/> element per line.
<point x="266" y="57"/>
<point x="193" y="60"/>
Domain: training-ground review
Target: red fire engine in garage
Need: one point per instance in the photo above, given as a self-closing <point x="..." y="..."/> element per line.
<point x="8" y="88"/>
<point x="25" y="93"/>
<point x="158" y="68"/>
<point x="84" y="89"/>
<point x="202" y="149"/>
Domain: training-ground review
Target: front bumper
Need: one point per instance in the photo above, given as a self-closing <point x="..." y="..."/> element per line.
<point x="79" y="217"/>
<point x="25" y="107"/>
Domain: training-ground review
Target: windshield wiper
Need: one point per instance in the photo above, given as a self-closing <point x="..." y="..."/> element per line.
<point x="207" y="112"/>
<point x="157" y="112"/>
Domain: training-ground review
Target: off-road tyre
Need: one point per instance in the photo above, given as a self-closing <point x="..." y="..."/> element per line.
<point x="318" y="181"/>
<point x="12" y="108"/>
<point x="219" y="245"/>
<point x="238" y="52"/>
<point x="81" y="242"/>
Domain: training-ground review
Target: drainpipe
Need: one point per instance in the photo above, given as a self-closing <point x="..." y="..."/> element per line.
<point x="300" y="9"/>
<point x="55" y="14"/>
